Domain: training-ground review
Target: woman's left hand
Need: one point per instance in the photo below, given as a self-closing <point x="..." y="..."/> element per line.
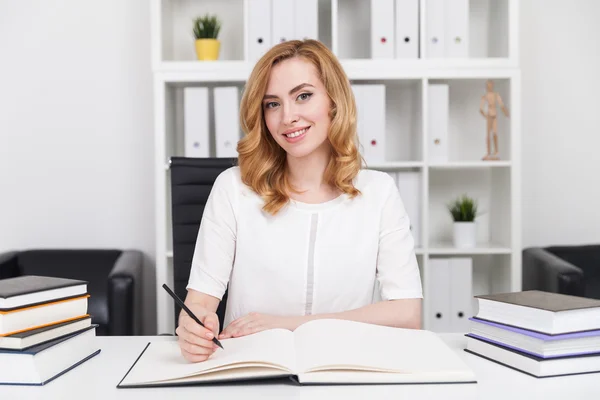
<point x="256" y="322"/>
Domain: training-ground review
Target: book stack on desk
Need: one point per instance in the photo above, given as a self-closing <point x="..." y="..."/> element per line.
<point x="539" y="333"/>
<point x="45" y="329"/>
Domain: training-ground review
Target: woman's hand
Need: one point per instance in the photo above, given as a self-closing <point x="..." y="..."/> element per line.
<point x="255" y="322"/>
<point x="195" y="341"/>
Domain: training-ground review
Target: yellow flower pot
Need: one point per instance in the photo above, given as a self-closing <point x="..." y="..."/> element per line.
<point x="207" y="49"/>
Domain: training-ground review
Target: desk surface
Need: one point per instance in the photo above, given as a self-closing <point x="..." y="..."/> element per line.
<point x="98" y="377"/>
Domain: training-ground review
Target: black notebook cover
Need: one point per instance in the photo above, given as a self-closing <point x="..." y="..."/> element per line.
<point x="554" y="302"/>
<point x="27" y="284"/>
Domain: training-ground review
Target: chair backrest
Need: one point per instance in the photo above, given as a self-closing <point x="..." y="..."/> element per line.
<point x="192" y="180"/>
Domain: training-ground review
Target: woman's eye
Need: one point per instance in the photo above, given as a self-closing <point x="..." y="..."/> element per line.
<point x="270" y="104"/>
<point x="304" y="96"/>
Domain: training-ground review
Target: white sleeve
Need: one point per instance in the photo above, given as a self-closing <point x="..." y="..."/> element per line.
<point x="397" y="268"/>
<point x="215" y="244"/>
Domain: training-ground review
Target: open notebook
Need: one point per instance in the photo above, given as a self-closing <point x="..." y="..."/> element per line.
<point x="318" y="352"/>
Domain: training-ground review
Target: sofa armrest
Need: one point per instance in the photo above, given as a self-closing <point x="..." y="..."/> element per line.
<point x="124" y="294"/>
<point x="543" y="270"/>
<point x="9" y="266"/>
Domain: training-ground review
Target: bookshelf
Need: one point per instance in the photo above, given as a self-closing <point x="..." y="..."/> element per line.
<point x="344" y="26"/>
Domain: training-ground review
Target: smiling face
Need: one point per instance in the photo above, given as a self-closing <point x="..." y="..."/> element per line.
<point x="296" y="108"/>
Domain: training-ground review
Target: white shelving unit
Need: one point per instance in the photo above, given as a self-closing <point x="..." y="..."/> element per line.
<point x="344" y="27"/>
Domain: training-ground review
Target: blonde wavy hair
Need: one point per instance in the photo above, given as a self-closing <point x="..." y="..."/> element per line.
<point x="262" y="161"/>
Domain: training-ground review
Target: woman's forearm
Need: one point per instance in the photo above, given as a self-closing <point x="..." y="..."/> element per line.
<point x="402" y="313"/>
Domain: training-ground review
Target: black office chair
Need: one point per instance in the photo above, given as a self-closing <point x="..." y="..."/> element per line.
<point x="192" y="180"/>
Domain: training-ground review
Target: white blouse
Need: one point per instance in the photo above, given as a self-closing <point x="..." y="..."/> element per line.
<point x="309" y="258"/>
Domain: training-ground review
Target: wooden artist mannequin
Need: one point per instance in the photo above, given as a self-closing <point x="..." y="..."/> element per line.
<point x="492" y="99"/>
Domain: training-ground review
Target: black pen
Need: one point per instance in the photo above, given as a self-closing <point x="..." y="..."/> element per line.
<point x="190" y="313"/>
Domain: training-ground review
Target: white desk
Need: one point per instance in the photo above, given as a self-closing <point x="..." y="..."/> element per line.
<point x="97" y="379"/>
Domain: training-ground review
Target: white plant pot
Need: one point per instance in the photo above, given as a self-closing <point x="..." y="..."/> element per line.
<point x="464" y="234"/>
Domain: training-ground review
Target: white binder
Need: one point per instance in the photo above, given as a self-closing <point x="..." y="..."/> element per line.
<point x="409" y="185"/>
<point x="461" y="293"/>
<point x="357" y="91"/>
<point x="438" y="98"/>
<point x="407" y="29"/>
<point x="434" y="28"/>
<point x="306" y="23"/>
<point x="259" y="28"/>
<point x="372" y="112"/>
<point x="382" y="29"/>
<point x="439" y="319"/>
<point x="227" y="130"/>
<point x="457" y="28"/>
<point x="282" y="21"/>
<point x="195" y="122"/>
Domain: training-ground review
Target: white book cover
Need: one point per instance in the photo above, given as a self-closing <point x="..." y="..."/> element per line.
<point x="357" y="91"/>
<point x="407" y="29"/>
<point x="439" y="319"/>
<point x="258" y="34"/>
<point x="306" y="24"/>
<point x="461" y="287"/>
<point x="438" y="119"/>
<point x="373" y="123"/>
<point x="227" y="128"/>
<point x="382" y="29"/>
<point x="457" y="28"/>
<point x="283" y="21"/>
<point x="434" y="27"/>
<point x="195" y="122"/>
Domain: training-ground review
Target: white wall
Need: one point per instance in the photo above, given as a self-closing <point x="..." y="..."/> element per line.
<point x="76" y="141"/>
<point x="560" y="60"/>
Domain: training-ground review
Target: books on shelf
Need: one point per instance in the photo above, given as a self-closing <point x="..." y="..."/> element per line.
<point x="539" y="333"/>
<point x="45" y="330"/>
<point x="318" y="352"/>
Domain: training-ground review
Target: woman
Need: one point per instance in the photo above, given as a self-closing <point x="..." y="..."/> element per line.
<point x="298" y="230"/>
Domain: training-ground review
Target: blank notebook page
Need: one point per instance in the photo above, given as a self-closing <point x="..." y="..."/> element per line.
<point x="378" y="347"/>
<point x="162" y="360"/>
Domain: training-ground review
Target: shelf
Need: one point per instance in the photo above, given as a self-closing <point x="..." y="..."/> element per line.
<point x="470" y="164"/>
<point x="446" y="248"/>
<point x="396" y="165"/>
<point x="239" y="70"/>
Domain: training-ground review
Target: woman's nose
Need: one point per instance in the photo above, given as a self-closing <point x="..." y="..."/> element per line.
<point x="290" y="115"/>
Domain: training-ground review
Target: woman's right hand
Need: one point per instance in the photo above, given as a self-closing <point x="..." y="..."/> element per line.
<point x="195" y="341"/>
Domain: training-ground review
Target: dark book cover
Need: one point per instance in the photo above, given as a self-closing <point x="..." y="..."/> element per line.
<point x="527" y="355"/>
<point x="27" y="284"/>
<point x="46" y="345"/>
<point x="553" y="302"/>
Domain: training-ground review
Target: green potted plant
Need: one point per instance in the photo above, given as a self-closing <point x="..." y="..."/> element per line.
<point x="206" y="32"/>
<point x="463" y="211"/>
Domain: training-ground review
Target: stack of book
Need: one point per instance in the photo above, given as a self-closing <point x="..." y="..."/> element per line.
<point x="539" y="333"/>
<point x="45" y="329"/>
